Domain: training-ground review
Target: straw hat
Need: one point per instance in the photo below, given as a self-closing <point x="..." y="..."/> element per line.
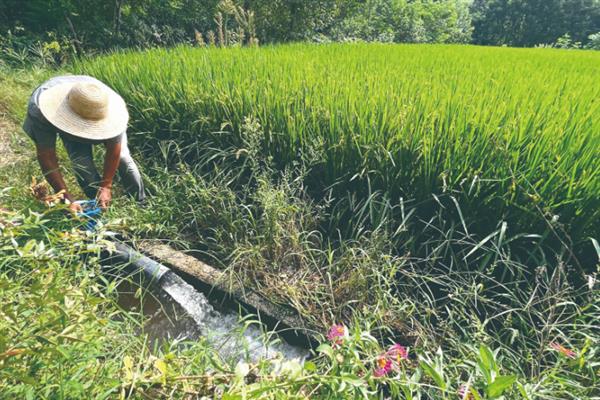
<point x="85" y="110"/>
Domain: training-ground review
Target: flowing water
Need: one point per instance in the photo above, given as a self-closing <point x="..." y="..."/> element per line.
<point x="178" y="311"/>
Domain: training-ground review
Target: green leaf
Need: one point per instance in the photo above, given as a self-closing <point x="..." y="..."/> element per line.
<point x="475" y="394"/>
<point x="500" y="384"/>
<point x="407" y="392"/>
<point x="523" y="391"/>
<point x="487" y="358"/>
<point x="161" y="366"/>
<point x="325" y="349"/>
<point x="596" y="246"/>
<point x="352" y="380"/>
<point x="435" y="375"/>
<point x="310" y="366"/>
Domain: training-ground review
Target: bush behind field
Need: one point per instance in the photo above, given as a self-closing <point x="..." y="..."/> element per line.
<point x="514" y="134"/>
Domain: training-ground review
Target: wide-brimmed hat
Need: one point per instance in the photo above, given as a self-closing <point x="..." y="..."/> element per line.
<point x="86" y="110"/>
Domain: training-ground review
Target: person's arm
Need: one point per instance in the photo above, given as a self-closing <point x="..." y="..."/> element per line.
<point x="51" y="170"/>
<point x="111" y="163"/>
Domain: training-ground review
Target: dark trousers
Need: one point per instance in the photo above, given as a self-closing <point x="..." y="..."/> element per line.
<point x="81" y="156"/>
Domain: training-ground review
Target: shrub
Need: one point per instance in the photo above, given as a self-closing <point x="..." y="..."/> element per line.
<point x="594" y="42"/>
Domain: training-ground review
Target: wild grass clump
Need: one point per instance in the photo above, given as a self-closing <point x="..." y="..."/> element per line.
<point x="442" y="287"/>
<point x="466" y="293"/>
<point x="415" y="328"/>
<point x="512" y="134"/>
<point x="56" y="319"/>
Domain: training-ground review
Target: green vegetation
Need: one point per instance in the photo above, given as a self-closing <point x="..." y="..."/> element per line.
<point x="64" y="337"/>
<point x="534" y="22"/>
<point x="390" y="124"/>
<point x="56" y="320"/>
<point x="307" y="173"/>
<point x="55" y="31"/>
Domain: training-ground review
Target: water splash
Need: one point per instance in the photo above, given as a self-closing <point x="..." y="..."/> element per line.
<point x="181" y="312"/>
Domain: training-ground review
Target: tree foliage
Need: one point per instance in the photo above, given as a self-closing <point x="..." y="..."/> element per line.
<point x="80" y="25"/>
<point x="416" y="21"/>
<point x="533" y="22"/>
<point x="100" y="25"/>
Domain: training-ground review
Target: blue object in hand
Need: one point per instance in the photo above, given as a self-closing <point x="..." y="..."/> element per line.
<point x="91" y="211"/>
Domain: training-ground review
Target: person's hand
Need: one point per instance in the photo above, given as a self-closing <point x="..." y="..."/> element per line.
<point x="70" y="202"/>
<point x="104" y="197"/>
<point x="75" y="208"/>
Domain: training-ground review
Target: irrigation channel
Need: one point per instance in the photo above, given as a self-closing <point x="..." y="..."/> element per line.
<point x="178" y="310"/>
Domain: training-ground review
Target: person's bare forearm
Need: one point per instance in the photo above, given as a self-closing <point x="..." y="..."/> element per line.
<point x="49" y="164"/>
<point x="111" y="163"/>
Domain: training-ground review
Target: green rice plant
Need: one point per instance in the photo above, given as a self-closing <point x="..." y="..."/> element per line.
<point x="232" y="205"/>
<point x="513" y="134"/>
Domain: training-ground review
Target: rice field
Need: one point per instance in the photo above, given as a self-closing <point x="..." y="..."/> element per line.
<point x="226" y="134"/>
<point x="513" y="134"/>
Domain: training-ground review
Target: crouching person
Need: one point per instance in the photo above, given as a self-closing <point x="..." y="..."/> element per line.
<point x="84" y="112"/>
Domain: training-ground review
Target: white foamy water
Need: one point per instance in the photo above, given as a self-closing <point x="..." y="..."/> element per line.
<point x="182" y="312"/>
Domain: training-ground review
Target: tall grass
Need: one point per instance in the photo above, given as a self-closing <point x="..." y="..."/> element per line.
<point x="463" y="292"/>
<point x="513" y="132"/>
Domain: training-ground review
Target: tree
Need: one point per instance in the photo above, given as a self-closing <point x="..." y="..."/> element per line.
<point x="533" y="22"/>
<point x="417" y="21"/>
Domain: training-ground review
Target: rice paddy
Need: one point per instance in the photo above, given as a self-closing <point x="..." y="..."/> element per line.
<point x="514" y="134"/>
<point x="378" y="190"/>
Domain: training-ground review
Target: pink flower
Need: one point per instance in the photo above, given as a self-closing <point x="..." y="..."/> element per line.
<point x="398" y="353"/>
<point x="464" y="392"/>
<point x="384" y="366"/>
<point x="563" y="350"/>
<point x="337" y="333"/>
<point x="390" y="359"/>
